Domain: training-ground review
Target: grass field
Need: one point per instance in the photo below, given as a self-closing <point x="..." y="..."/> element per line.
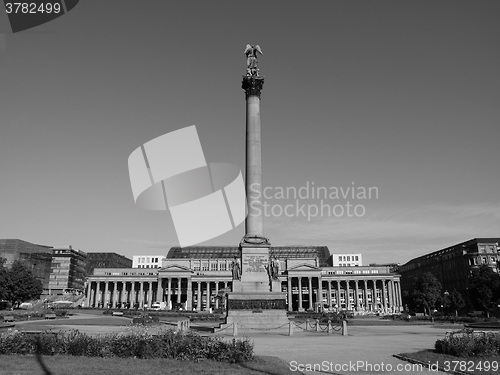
<point x="64" y="365"/>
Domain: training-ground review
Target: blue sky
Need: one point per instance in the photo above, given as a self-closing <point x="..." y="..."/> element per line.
<point x="398" y="95"/>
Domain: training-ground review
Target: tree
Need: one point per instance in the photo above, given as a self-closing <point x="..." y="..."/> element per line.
<point x="452" y="302"/>
<point x="4" y="280"/>
<point x="484" y="288"/>
<point x="22" y="285"/>
<point x="425" y="293"/>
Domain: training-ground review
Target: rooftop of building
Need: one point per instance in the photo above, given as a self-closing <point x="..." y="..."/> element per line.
<point x="453" y="249"/>
<point x="210" y="252"/>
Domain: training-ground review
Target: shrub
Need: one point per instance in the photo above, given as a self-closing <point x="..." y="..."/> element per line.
<point x="469" y="344"/>
<point x="137" y="343"/>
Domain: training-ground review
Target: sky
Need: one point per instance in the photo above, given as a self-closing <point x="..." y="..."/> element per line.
<point x="402" y="97"/>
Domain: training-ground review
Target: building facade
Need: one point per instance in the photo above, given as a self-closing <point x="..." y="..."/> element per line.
<point x="196" y="278"/>
<point x="106" y="260"/>
<point x="147" y="261"/>
<point x="67" y="270"/>
<point x="453" y="265"/>
<point x="37" y="257"/>
<point x="347" y="260"/>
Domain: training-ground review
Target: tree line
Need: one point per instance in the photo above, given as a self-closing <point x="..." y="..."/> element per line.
<point x="427" y="294"/>
<point x="17" y="283"/>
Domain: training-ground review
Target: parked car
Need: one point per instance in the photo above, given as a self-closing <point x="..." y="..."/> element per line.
<point x="156" y="306"/>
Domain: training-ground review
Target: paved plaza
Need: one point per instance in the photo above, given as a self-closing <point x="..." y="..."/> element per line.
<point x="365" y="350"/>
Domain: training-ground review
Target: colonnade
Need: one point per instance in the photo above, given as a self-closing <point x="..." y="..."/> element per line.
<point x="303" y="292"/>
<point x="176" y="292"/>
<point x="307" y="292"/>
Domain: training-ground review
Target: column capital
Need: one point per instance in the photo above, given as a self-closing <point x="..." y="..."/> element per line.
<point x="252" y="86"/>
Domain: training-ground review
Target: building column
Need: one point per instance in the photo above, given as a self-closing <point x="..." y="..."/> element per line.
<point x="216" y="294"/>
<point x="374" y="298"/>
<point x="320" y="294"/>
<point x="208" y="296"/>
<point x="329" y="295"/>
<point x="347" y="295"/>
<point x="356" y="297"/>
<point x="391" y="299"/>
<point x="338" y="295"/>
<point x="169" y="291"/>
<point x="89" y="291"/>
<point x="97" y="293"/>
<point x="114" y="295"/>
<point x="159" y="293"/>
<point x="106" y="290"/>
<point x="198" y="305"/>
<point x="300" y="294"/>
<point x="289" y="292"/>
<point x="384" y="295"/>
<point x="309" y="278"/>
<point x="398" y="292"/>
<point x="132" y="294"/>
<point x="365" y="298"/>
<point x="179" y="289"/>
<point x="150" y="294"/>
<point x="141" y="294"/>
<point x="189" y="297"/>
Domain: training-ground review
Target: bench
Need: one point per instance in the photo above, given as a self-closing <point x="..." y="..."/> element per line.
<point x="117" y="313"/>
<point x="8" y="318"/>
<point x="50" y="316"/>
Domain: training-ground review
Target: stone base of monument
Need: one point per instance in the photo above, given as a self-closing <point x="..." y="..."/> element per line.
<point x="254" y="312"/>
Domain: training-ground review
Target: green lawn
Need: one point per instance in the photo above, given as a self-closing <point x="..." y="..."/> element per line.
<point x="476" y="366"/>
<point x="59" y="365"/>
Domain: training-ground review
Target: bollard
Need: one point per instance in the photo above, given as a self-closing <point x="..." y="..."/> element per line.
<point x="317" y="325"/>
<point x="344" y="328"/>
<point x="235" y="329"/>
<point x="290" y="329"/>
<point x="307" y="324"/>
<point x="329" y="327"/>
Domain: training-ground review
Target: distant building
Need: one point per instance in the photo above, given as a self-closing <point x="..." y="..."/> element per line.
<point x="347" y="260"/>
<point x="106" y="260"/>
<point x="67" y="270"/>
<point x="37" y="257"/>
<point x="453" y="265"/>
<point x="147" y="261"/>
<point x="196" y="278"/>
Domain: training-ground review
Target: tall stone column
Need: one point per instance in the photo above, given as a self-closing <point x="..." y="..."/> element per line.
<point x="254" y="225"/>
<point x="132" y="294"/>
